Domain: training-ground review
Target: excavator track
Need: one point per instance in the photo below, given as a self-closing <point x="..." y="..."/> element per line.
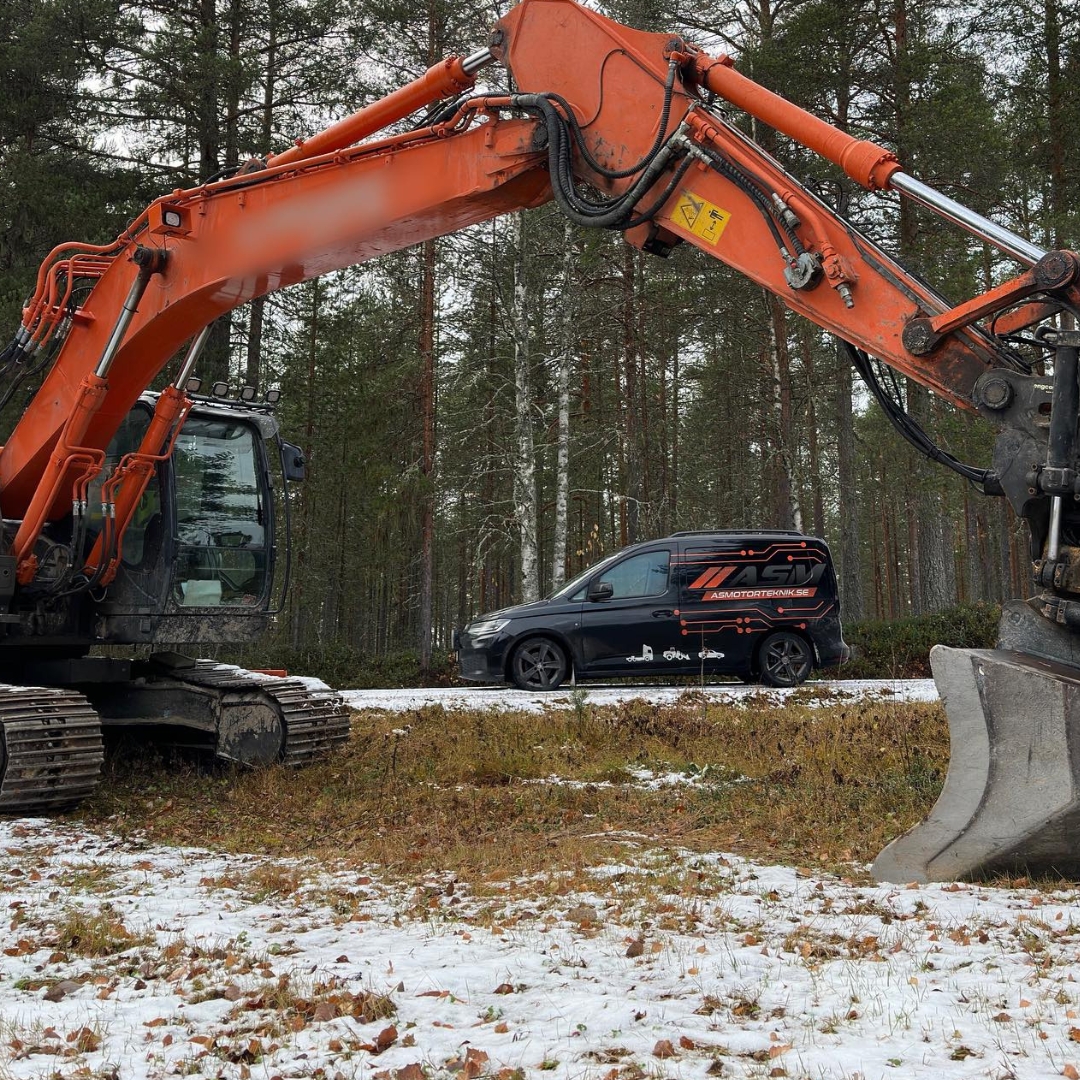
<point x="51" y="749"/>
<point x="314" y="720"/>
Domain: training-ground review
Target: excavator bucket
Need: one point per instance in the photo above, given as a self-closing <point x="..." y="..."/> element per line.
<point x="1011" y="799"/>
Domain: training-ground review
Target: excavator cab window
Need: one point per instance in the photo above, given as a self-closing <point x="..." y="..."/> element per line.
<point x="221" y="553"/>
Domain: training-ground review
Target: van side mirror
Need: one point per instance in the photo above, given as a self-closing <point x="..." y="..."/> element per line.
<point x="601" y="590"/>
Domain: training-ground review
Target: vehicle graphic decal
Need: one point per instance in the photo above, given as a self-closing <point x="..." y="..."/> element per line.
<point x="644" y="658"/>
<point x="759" y="594"/>
<point x="753" y="589"/>
<point x="712" y="577"/>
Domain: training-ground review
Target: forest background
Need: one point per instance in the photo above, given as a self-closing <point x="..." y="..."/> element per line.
<point x="488" y="413"/>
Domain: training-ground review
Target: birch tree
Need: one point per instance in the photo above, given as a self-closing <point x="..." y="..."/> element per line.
<point x="525" y="501"/>
<point x="564" y="359"/>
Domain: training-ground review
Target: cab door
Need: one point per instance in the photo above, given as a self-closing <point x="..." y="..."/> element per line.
<point x="628" y="620"/>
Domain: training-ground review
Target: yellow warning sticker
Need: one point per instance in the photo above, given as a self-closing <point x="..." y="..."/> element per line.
<point x="701" y="217"/>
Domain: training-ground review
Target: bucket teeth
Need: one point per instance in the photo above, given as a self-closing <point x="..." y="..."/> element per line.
<point x="1011" y="799"/>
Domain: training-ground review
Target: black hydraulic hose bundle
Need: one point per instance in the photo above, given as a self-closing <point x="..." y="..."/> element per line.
<point x="606" y="213"/>
<point x="905" y="424"/>
<point x="564" y="133"/>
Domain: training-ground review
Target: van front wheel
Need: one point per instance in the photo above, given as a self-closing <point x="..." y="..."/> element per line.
<point x="785" y="659"/>
<point x="538" y="664"/>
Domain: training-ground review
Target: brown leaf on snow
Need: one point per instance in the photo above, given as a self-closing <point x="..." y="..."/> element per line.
<point x="635" y="948"/>
<point x="59" y="991"/>
<point x="413" y="1071"/>
<point x="687" y="1044"/>
<point x="663" y="1049"/>
<point x="1074" y="1034"/>
<point x="325" y="1010"/>
<point x="474" y="1063"/>
<point x="778" y="1049"/>
<point x="503" y="988"/>
<point x="584" y="913"/>
<point x="84" y="1040"/>
<point x="1070" y="1072"/>
<point x="384" y="1040"/>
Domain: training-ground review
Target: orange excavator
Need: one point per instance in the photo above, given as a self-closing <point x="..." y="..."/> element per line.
<point x="152" y="519"/>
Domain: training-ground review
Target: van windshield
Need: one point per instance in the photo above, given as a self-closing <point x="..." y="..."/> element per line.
<point x="570" y="587"/>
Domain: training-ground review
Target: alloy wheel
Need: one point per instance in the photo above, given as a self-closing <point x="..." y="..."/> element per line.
<point x="539" y="664"/>
<point x="785" y="660"/>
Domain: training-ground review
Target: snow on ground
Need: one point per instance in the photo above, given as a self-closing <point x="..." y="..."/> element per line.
<point x="506" y="698"/>
<point x="667" y="966"/>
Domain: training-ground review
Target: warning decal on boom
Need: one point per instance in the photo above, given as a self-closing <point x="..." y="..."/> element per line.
<point x="701" y="217"/>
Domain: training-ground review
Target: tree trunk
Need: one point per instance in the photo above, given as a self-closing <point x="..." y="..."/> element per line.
<point x="851" y="576"/>
<point x="788" y="511"/>
<point x="562" y="389"/>
<point x="525" y="509"/>
<point x="304" y="534"/>
<point x="632" y="489"/>
<point x="257" y="308"/>
<point x="427" y="452"/>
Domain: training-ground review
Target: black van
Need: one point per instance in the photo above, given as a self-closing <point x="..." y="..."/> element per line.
<point x="756" y="605"/>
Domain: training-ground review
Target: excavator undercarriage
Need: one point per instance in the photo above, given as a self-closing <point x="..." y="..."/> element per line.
<point x="51" y="744"/>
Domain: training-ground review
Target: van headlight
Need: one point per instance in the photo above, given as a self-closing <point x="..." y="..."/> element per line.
<point x="486" y="628"/>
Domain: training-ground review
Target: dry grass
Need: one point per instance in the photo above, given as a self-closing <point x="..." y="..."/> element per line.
<point x="95" y="933"/>
<point x="472" y="792"/>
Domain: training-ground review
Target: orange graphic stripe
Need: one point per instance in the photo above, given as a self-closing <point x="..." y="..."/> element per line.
<point x="712" y="577"/>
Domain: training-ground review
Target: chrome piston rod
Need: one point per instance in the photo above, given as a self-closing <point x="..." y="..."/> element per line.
<point x="1020" y="249"/>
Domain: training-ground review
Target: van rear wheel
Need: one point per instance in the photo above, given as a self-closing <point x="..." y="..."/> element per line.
<point x="538" y="664"/>
<point x="785" y="659"/>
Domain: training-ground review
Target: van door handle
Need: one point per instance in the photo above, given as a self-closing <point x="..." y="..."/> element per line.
<point x="663" y="613"/>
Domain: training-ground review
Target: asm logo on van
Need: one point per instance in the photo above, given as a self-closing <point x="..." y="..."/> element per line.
<point x="799" y="580"/>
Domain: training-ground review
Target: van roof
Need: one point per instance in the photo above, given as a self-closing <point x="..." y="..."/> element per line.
<point x="739" y="532"/>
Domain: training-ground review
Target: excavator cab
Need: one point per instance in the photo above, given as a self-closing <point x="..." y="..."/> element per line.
<point x="199" y="558"/>
<point x="219" y="483"/>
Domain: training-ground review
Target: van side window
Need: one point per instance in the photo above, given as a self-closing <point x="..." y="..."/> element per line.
<point x="641" y="575"/>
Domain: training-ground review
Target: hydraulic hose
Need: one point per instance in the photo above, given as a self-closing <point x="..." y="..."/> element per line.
<point x="613" y="213"/>
<point x="905" y="424"/>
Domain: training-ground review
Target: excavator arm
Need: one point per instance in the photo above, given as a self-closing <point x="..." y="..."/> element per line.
<point x="625" y="130"/>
